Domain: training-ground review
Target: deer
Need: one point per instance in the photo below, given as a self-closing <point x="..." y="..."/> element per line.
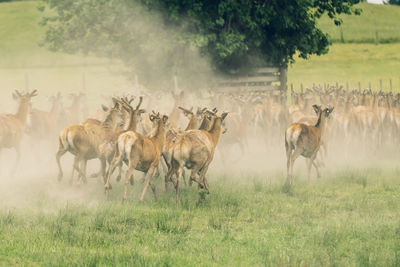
<point x="195" y="150"/>
<point x="12" y="126"/>
<point x="305" y="140"/>
<point x="44" y="124"/>
<point x="83" y="141"/>
<point x="140" y="153"/>
<point x="172" y="135"/>
<point x="107" y="149"/>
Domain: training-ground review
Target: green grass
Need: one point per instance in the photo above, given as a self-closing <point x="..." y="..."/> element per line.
<point x="381" y="19"/>
<point x="348" y="218"/>
<point x="351" y="63"/>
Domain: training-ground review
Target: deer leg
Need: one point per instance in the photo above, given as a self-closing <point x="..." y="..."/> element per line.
<point x="316" y="168"/>
<point x="83" y="168"/>
<point x="129" y="175"/>
<point x="288" y="159"/>
<point x="203" y="178"/>
<point x="100" y="172"/>
<point x="296" y="153"/>
<point x="177" y="186"/>
<point x="116" y="160"/>
<point x="61" y="151"/>
<point x="75" y="166"/>
<point x="147" y="178"/>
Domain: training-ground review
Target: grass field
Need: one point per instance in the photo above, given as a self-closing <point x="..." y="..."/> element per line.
<point x="374" y="19"/>
<point x="348" y="218"/>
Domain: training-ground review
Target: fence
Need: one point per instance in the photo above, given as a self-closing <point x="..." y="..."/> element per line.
<point x="261" y="79"/>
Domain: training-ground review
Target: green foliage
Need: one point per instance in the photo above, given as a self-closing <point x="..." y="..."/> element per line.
<point x="393" y="2"/>
<point x="157" y="37"/>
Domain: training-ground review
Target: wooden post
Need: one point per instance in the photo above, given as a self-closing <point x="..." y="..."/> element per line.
<point x="359" y="86"/>
<point x="380" y="84"/>
<point x="341" y="34"/>
<point x="390" y="84"/>
<point x="369" y="86"/>
<point x="376" y="37"/>
<point x="291" y="87"/>
<point x="337" y="85"/>
<point x="347" y="86"/>
<point x="283" y="78"/>
<point x="301" y="88"/>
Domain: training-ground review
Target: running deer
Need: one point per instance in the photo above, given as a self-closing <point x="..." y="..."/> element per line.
<point x="83" y="141"/>
<point x="194" y="150"/>
<point x="43" y="125"/>
<point x="305" y="140"/>
<point x="107" y="149"/>
<point x="173" y="134"/>
<point x="12" y="126"/>
<point x="140" y="153"/>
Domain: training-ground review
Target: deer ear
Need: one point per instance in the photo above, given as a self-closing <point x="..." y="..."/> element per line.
<point x="141" y="111"/>
<point x="104" y="108"/>
<point x="223" y="116"/>
<point x="165" y="119"/>
<point x="316" y="108"/>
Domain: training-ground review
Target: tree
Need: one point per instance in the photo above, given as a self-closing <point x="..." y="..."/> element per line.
<point x="158" y="38"/>
<point x="393" y="2"/>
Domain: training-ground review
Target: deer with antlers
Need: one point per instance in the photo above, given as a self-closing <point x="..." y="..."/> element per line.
<point x="12" y="126"/>
<point x="83" y="141"/>
<point x="305" y="140"/>
<point x="107" y="149"/>
<point x="140" y="153"/>
<point x="195" y="150"/>
<point x="173" y="134"/>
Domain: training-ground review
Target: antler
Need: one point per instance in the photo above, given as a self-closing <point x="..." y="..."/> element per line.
<point x="140" y="102"/>
<point x="186" y="110"/>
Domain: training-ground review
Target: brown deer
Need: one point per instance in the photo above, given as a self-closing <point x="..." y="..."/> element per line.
<point x="140" y="153"/>
<point x="173" y="134"/>
<point x="195" y="150"/>
<point x="305" y="140"/>
<point x="107" y="149"/>
<point x="83" y="141"/>
<point x="43" y="125"/>
<point x="12" y="126"/>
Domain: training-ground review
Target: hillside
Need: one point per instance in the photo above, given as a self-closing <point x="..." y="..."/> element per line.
<point x="374" y="19"/>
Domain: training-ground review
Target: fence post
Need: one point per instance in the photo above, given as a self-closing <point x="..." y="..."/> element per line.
<point x="376" y="37"/>
<point x="390" y="82"/>
<point x="301" y="87"/>
<point x="359" y="86"/>
<point x="347" y="86"/>
<point x="341" y="34"/>
<point x="380" y="84"/>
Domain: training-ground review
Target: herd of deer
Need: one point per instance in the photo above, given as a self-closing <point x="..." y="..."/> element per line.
<point x="120" y="132"/>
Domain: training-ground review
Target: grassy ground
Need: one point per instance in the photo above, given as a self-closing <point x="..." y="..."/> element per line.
<point x="350" y="63"/>
<point x="349" y="218"/>
<point x="381" y="19"/>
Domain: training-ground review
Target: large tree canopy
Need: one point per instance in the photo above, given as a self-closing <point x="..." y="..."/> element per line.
<point x="159" y="38"/>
